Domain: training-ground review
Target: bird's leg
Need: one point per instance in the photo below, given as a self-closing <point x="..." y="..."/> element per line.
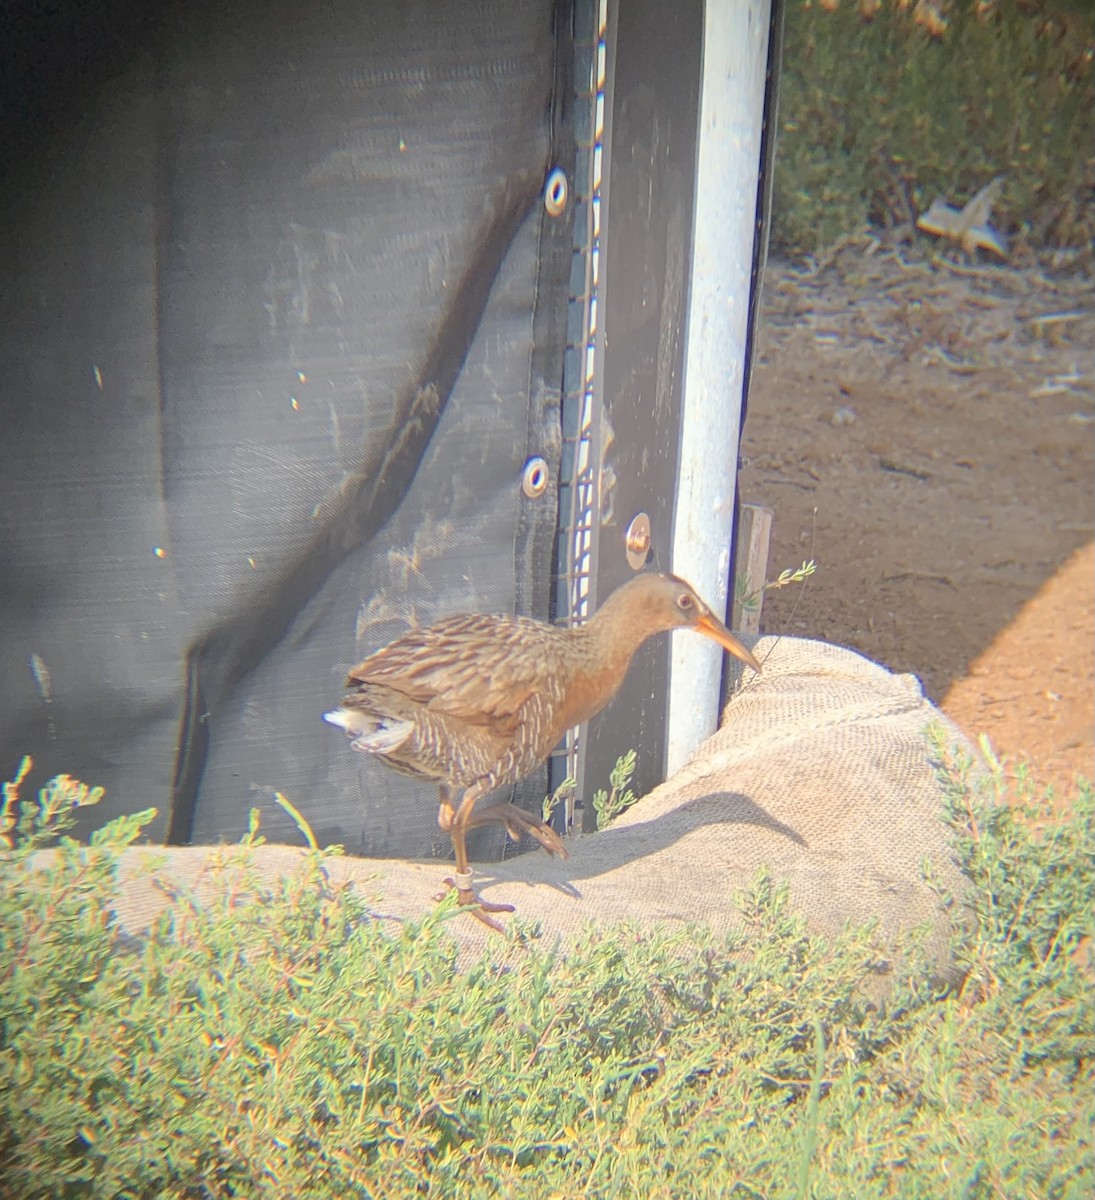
<point x="455" y="823"/>
<point x="517" y="821"/>
<point x="447" y="814"/>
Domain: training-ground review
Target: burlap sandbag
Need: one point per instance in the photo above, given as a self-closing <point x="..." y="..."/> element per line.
<point x="821" y="772"/>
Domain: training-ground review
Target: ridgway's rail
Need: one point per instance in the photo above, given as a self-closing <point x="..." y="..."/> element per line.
<point x="474" y="703"/>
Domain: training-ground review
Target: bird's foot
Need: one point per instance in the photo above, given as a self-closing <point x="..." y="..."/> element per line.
<point x="517" y="823"/>
<point x="476" y="906"/>
<point x="549" y="839"/>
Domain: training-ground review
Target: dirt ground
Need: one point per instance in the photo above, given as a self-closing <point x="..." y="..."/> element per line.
<point x="926" y="433"/>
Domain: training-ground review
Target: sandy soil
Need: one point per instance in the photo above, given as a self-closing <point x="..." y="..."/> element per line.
<point x="926" y="433"/>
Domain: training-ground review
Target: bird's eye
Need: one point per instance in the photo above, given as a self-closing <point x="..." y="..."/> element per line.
<point x="684" y="601"/>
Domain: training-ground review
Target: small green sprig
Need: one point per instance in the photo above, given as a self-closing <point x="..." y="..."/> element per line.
<point x="608" y="805"/>
<point x="750" y="600"/>
<point x="28" y="825"/>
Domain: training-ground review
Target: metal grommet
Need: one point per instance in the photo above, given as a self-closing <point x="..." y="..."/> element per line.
<point x="534" y="481"/>
<point x="637" y="542"/>
<point x="556" y="191"/>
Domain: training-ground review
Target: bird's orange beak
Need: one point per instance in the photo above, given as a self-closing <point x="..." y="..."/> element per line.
<point x="713" y="628"/>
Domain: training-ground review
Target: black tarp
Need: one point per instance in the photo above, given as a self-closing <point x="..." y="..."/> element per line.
<point x="282" y="320"/>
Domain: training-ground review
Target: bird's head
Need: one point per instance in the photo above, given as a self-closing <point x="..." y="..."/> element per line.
<point x="660" y="602"/>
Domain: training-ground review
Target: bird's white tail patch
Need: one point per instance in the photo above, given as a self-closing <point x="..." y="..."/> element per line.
<point x="374" y="735"/>
<point x="344" y="719"/>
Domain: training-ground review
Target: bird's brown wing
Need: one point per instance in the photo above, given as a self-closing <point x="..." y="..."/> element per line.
<point x="479" y="669"/>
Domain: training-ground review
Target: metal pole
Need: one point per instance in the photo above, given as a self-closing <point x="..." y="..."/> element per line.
<point x="735" y="59"/>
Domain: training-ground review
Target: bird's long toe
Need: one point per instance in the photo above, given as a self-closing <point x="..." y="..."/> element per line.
<point x="468" y="898"/>
<point x="549" y="839"/>
<point x="518" y="822"/>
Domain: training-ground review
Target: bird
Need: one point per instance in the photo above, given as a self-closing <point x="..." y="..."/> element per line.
<point x="477" y="702"/>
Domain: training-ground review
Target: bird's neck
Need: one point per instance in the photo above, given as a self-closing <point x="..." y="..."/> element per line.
<point x="606" y="645"/>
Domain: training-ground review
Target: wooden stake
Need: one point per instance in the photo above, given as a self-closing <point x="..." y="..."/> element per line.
<point x="754" y="534"/>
